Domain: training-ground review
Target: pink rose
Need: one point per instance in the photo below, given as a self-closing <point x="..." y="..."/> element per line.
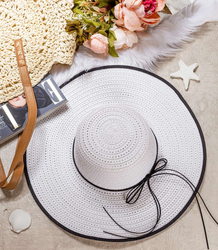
<point x="97" y="43"/>
<point x="152" y="6"/>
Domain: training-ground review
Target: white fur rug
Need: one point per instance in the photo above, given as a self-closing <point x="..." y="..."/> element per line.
<point x="154" y="44"/>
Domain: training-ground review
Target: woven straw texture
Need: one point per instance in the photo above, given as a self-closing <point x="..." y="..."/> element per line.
<point x="41" y="25"/>
<point x="113" y="143"/>
<point x="76" y="205"/>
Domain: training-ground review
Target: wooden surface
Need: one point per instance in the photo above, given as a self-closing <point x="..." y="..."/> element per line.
<point x="187" y="232"/>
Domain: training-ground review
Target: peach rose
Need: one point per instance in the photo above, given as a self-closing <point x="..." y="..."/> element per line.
<point x="97" y="43"/>
<point x="133" y="3"/>
<point x="118" y="11"/>
<point x="140" y="11"/>
<point x="127" y="18"/>
<point x="136" y="15"/>
<point x="131" y="21"/>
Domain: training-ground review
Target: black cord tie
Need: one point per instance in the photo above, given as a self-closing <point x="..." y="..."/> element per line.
<point x="135" y="192"/>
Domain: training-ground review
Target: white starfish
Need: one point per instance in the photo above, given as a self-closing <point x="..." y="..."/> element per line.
<point x="186" y="73"/>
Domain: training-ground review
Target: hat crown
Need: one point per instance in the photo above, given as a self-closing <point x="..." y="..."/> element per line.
<point x="114" y="144"/>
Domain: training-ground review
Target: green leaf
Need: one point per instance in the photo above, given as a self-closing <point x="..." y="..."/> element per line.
<point x="91" y="30"/>
<point x="103" y="3"/>
<point x="102" y="32"/>
<point x="111" y="14"/>
<point x="78" y="2"/>
<point x="112" y="35"/>
<point x="112" y="51"/>
<point x="80" y="32"/>
<point x="111" y="38"/>
<point x="73" y="22"/>
<point x="105" y="26"/>
<point x="90" y="22"/>
<point x="77" y="10"/>
<point x="111" y="42"/>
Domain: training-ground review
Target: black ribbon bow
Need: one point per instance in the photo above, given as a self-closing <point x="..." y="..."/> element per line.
<point x="134" y="193"/>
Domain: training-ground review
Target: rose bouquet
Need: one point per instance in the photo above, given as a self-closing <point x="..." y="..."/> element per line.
<point x="105" y="26"/>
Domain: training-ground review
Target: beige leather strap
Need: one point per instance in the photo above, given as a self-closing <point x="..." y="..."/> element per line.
<point x="17" y="165"/>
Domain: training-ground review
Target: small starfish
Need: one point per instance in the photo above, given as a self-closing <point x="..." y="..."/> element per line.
<point x="186" y="73"/>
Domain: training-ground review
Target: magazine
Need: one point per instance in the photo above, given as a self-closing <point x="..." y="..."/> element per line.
<point x="13" y="114"/>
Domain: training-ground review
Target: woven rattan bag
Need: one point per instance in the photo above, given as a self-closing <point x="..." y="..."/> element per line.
<point x="32" y="39"/>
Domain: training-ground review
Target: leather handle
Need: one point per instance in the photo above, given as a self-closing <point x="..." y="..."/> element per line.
<point x="17" y="166"/>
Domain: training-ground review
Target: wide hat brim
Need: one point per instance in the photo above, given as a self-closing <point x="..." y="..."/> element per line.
<point x="76" y="205"/>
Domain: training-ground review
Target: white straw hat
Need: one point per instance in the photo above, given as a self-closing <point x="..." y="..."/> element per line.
<point x="82" y="158"/>
<point x="113" y="143"/>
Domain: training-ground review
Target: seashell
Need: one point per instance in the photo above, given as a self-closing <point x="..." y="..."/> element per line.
<point x="19" y="220"/>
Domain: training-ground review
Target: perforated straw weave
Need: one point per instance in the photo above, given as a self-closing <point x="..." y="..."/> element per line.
<point x="41" y="25"/>
<point x="76" y="205"/>
<point x="113" y="143"/>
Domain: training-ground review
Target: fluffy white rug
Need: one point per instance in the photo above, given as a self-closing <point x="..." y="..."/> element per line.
<point x="154" y="44"/>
